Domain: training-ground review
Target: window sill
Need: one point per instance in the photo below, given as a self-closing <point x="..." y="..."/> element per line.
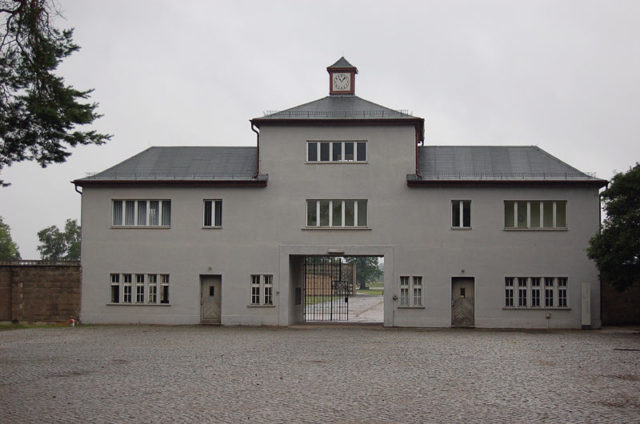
<point x="138" y="304"/>
<point x="537" y="229"/>
<point x="212" y="228"/>
<point x="140" y="227"/>
<point x="346" y="162"/>
<point x="411" y="307"/>
<point x="336" y="229"/>
<point x="460" y="228"/>
<point x="542" y="308"/>
<point x="261" y="306"/>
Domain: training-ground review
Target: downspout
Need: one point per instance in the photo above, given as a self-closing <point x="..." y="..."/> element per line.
<point x="417" y="155"/>
<point x="76" y="188"/>
<point x="257" y="150"/>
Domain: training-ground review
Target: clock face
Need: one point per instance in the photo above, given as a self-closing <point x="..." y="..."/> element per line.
<point x="341" y="81"/>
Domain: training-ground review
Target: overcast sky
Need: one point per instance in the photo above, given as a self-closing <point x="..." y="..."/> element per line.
<point x="562" y="75"/>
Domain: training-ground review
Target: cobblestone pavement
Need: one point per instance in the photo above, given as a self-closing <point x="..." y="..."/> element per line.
<point x="317" y="374"/>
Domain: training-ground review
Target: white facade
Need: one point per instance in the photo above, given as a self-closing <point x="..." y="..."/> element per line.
<point x="264" y="232"/>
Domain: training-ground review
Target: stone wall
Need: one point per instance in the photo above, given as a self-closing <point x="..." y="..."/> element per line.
<point x="39" y="291"/>
<point x="620" y="307"/>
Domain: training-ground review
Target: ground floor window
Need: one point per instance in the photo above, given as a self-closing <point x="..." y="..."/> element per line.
<point x="530" y="294"/>
<point x="262" y="289"/>
<point x="410" y="291"/>
<point x="122" y="288"/>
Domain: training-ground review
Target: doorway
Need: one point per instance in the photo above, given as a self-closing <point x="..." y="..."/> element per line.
<point x="210" y="299"/>
<point x="462" y="302"/>
<point x="342" y="289"/>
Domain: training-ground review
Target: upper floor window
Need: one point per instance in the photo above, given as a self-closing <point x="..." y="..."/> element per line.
<point x="336" y="213"/>
<point x="535" y="214"/>
<point x="461" y="213"/>
<point x="142" y="213"/>
<point x="336" y="151"/>
<point x="213" y="213"/>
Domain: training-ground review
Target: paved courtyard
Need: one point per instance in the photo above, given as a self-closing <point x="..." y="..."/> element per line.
<point x="317" y="374"/>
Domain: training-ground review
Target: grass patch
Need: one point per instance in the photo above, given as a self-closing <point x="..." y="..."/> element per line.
<point x="372" y="291"/>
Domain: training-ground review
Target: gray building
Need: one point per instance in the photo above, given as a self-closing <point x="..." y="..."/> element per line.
<point x="485" y="236"/>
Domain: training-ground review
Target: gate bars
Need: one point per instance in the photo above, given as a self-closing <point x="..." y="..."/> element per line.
<point x="326" y="294"/>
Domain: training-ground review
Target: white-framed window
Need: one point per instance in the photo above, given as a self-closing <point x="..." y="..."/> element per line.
<point x="404" y="291"/>
<point x="522" y="292"/>
<point x="164" y="288"/>
<point x="141" y="213"/>
<point x="115" y="288"/>
<point x="336" y="151"/>
<point x="337" y="213"/>
<point x="535" y="214"/>
<point x="262" y="289"/>
<point x="126" y="298"/>
<point x="152" y="280"/>
<point x="461" y="213"/>
<point x="548" y="292"/>
<point x="536" y="292"/>
<point x="508" y="291"/>
<point x="213" y="213"/>
<point x="138" y="288"/>
<point x="411" y="291"/>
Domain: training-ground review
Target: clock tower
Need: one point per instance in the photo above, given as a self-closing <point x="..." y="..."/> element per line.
<point x="342" y="77"/>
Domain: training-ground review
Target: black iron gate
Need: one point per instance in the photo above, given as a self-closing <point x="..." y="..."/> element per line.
<point x="326" y="292"/>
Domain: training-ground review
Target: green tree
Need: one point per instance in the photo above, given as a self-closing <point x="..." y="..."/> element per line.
<point x="39" y="113"/>
<point x="367" y="270"/>
<point x="8" y="248"/>
<point x="56" y="245"/>
<point x="616" y="249"/>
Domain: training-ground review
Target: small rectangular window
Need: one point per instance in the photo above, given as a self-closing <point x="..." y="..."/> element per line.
<point x="166" y="213"/>
<point x="255" y="289"/>
<point x="337" y="213"/>
<point x="348" y="151"/>
<point x="362" y="213"/>
<point x="324" y="152"/>
<point x="349" y="213"/>
<point x="324" y="213"/>
<point x="535" y="214"/>
<point x="268" y="289"/>
<point x="164" y="288"/>
<point x="508" y="282"/>
<point x="142" y="212"/>
<point x="561" y="214"/>
<point x="312" y="152"/>
<point x="404" y="291"/>
<point x="417" y="291"/>
<point x="337" y="152"/>
<point x="312" y="214"/>
<point x="362" y="152"/>
<point x="509" y="214"/>
<point x="117" y="212"/>
<point x="213" y="213"/>
<point x="461" y="213"/>
<point x="130" y="212"/>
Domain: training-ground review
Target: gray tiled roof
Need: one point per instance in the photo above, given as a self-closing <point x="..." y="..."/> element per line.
<point x="447" y="163"/>
<point x="341" y="63"/>
<point x="338" y="107"/>
<point x="183" y="164"/>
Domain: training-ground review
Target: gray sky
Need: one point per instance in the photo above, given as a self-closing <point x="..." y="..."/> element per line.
<point x="562" y="75"/>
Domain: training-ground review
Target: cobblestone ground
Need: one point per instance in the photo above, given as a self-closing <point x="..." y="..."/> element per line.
<point x="320" y="374"/>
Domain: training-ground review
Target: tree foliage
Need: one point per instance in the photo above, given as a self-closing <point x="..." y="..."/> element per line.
<point x="367" y="270"/>
<point x="8" y="248"/>
<point x="56" y="245"/>
<point x="39" y="113"/>
<point x="616" y="250"/>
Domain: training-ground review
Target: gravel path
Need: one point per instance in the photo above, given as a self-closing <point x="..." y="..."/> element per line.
<point x="317" y="374"/>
